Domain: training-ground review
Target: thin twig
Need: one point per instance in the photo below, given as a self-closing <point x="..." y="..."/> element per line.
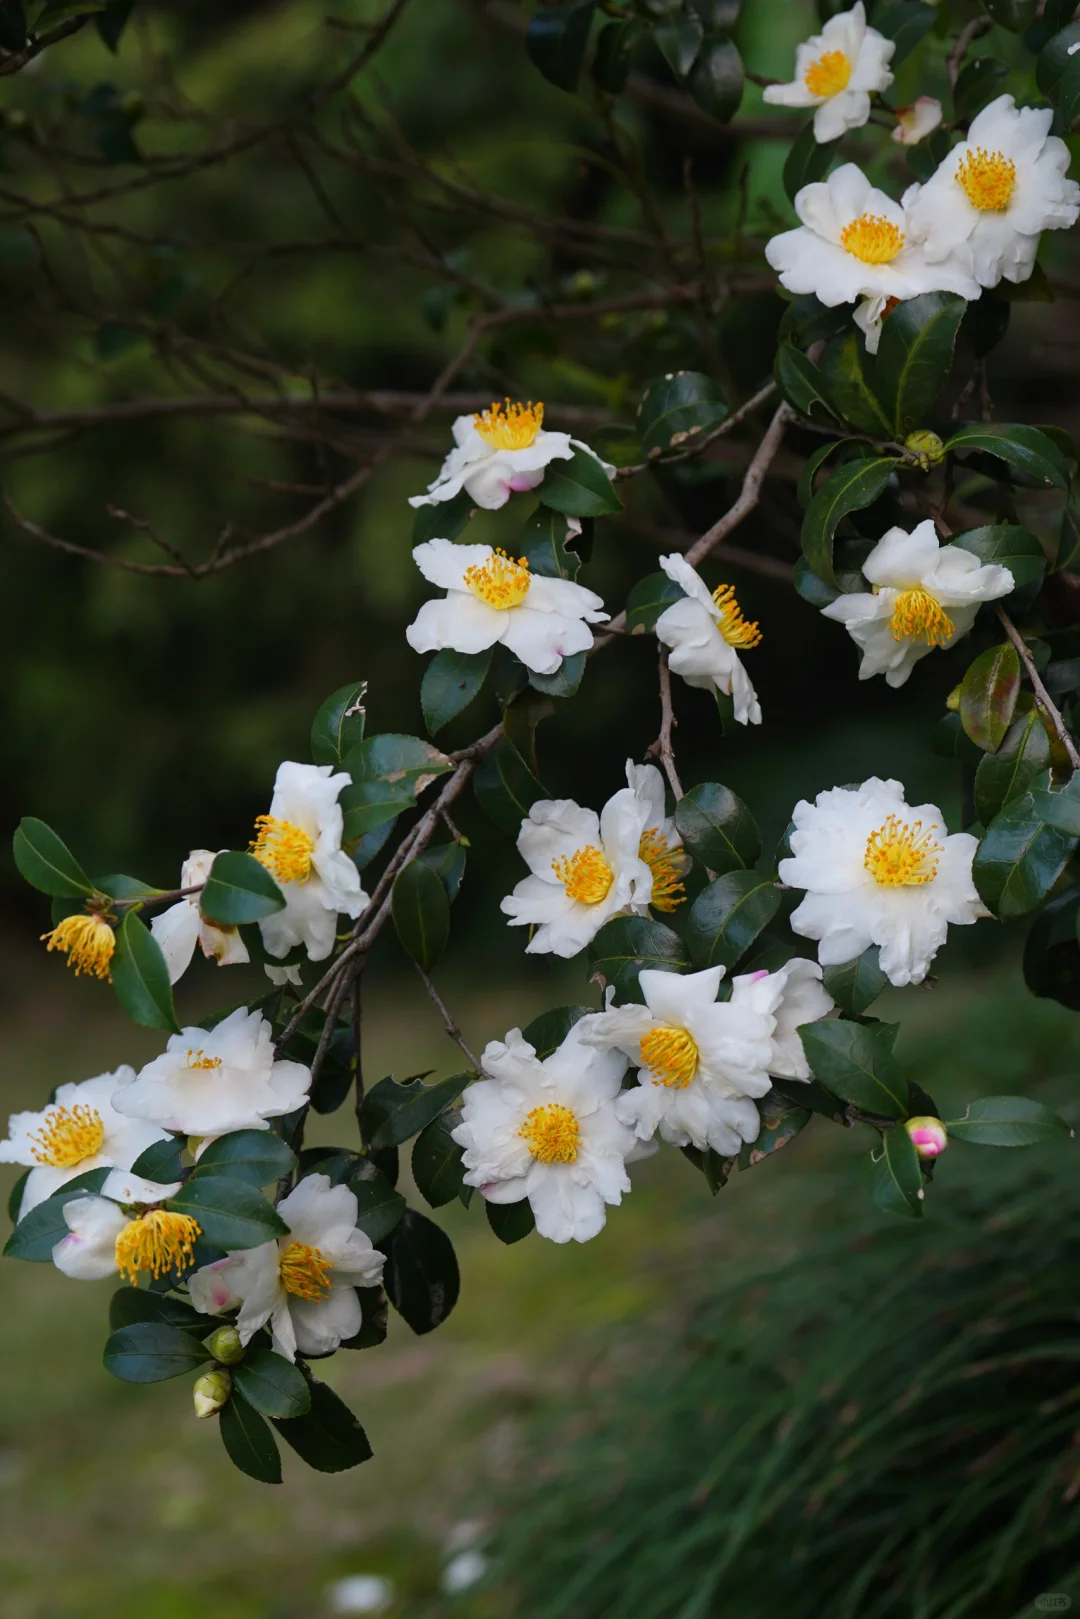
<point x="1041" y="692"/>
<point x="662" y="747"/>
<point x="966" y="37"/>
<point x="448" y="1023"/>
<point x="358" y="1052"/>
<point x="750" y="493"/>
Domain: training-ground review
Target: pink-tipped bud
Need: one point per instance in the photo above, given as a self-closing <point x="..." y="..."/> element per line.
<point x="929" y="1136"/>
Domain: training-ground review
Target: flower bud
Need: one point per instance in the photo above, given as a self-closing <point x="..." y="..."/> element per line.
<point x="928" y="1135"/>
<point x="927" y="448"/>
<point x="225" y="1345"/>
<point x="211" y="1392"/>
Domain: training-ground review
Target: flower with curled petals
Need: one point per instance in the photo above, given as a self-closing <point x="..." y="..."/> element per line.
<point x="836" y="72"/>
<point x="706" y="632"/>
<point x="914" y="123"/>
<point x="792" y="995"/>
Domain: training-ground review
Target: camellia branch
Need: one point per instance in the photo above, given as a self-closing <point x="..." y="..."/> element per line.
<point x="1045" y="699"/>
<point x="662" y="747"/>
<point x="449" y="1024"/>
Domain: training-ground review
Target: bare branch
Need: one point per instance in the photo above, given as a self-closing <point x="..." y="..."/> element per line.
<point x="662" y="747"/>
<point x="451" y="1027"/>
<point x="1044" y="697"/>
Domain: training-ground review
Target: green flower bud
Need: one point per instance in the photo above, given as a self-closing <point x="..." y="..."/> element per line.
<point x="211" y="1392"/>
<point x="225" y="1345"/>
<point x="929" y="1135"/>
<point x="927" y="448"/>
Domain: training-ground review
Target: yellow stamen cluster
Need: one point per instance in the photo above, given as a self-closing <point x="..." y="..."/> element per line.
<point x="283" y="848"/>
<point x="585" y="874"/>
<point x="305" y="1272"/>
<point x="989" y="179"/>
<point x="198" y="1059"/>
<point x="667" y="867"/>
<point x="733" y="626"/>
<point x="670" y="1055"/>
<point x="872" y="239"/>
<point x="68" y="1136"/>
<point x="901" y="855"/>
<point x="916" y="616"/>
<point x="509" y="427"/>
<point x="828" y="75"/>
<point x="158" y="1242"/>
<point x="88" y="942"/>
<point x="552" y="1133"/>
<point x="501" y="582"/>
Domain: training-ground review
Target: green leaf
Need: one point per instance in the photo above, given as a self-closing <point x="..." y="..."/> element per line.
<point x="271" y="1384"/>
<point x="1057" y="72"/>
<point x="249" y="1443"/>
<point x="717" y="78"/>
<point x="436" y="1163"/>
<point x="556" y="39"/>
<point x="717" y="828"/>
<point x="988" y="694"/>
<point x="546" y="542"/>
<point x="614" y="54"/>
<point x="396" y="760"/>
<point x="46" y="862"/>
<point x="112" y="21"/>
<point x="1013" y="547"/>
<point x="447" y="860"/>
<point x="131" y="1304"/>
<point x="328" y="1437"/>
<point x="451" y="681"/>
<point x="161" y="1162"/>
<point x="1004" y="775"/>
<point x="141" y="978"/>
<point x="628" y="944"/>
<point x="854" y="486"/>
<point x="379" y="1206"/>
<point x="847" y="370"/>
<point x="679" y="40"/>
<point x="728" y="915"/>
<point x="714" y="1168"/>
<point x="15" y="1197"/>
<point x="505" y="787"/>
<point x="1034" y="459"/>
<point x="421" y="911"/>
<point x="374" y="1323"/>
<point x="896" y="1179"/>
<point x="1007" y="1121"/>
<point x="566" y="679"/>
<point x="781" y="1121"/>
<point x="809" y="1094"/>
<point x="1061" y="810"/>
<point x="151" y="1352"/>
<point x="421" y="1278"/>
<point x="1019" y="859"/>
<point x="547" y="1032"/>
<point x="239" y="889"/>
<point x="38" y="1232"/>
<point x="977" y="83"/>
<point x="230" y="1213"/>
<point x="855" y="1061"/>
<point x="510" y="1222"/>
<point x="1052" y="952"/>
<point x="807" y="161"/>
<point x="677" y="408"/>
<point x="254" y="1156"/>
<point x="393" y="1113"/>
<point x="855" y="985"/>
<point x="579" y="487"/>
<point x="907" y="22"/>
<point x="802" y="384"/>
<point x="916" y="355"/>
<point x="649" y="598"/>
<point x="443" y="519"/>
<point x="369" y="806"/>
<point x="339" y="724"/>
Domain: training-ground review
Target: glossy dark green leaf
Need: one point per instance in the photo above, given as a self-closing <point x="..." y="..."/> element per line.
<point x="46" y="862"/>
<point x="255" y="1156"/>
<point x="566" y="679"/>
<point x="151" y="1351"/>
<point x="421" y="910"/>
<point x="506" y="788"/>
<point x="781" y="1122"/>
<point x="339" y="724"/>
<point x="1004" y="775"/>
<point x="714" y="1168"/>
<point x="649" y="598"/>
<point x="1057" y="72"/>
<point x="896" y="1179"/>
<point x="1013" y="547"/>
<point x="131" y="1304"/>
<point x="421" y="1277"/>
<point x="549" y="544"/>
<point x="436" y="1162"/>
<point x="1019" y="859"/>
<point x="15" y="1197"/>
<point x="855" y="985"/>
<point x="728" y="915"/>
<point x="806" y="320"/>
<point x="802" y="384"/>
<point x="907" y="23"/>
<point x="916" y="355"/>
<point x="328" y="1437"/>
<point x="615" y="46"/>
<point x="447" y="860"/>
<point x="1052" y="951"/>
<point x="985" y="323"/>
<point x="678" y="38"/>
<point x="807" y="161"/>
<point x="249" y="1442"/>
<point x="855" y="1061"/>
<point x="397" y="760"/>
<point x="847" y="369"/>
<point x="393" y="1113"/>
<point x="626" y="945"/>
<point x="374" y="1323"/>
<point x="510" y="1221"/>
<point x="809" y="1094"/>
<point x="1008" y="1121"/>
<point x="140" y="976"/>
<point x="717" y="828"/>
<point x="678" y="407"/>
<point x="988" y="694"/>
<point x="811" y="588"/>
<point x="230" y="1212"/>
<point x="112" y="21"/>
<point x="854" y="486"/>
<point x="556" y="39"/>
<point x="379" y="1205"/>
<point x="547" y="1032"/>
<point x="271" y="1384"/>
<point x="717" y="79"/>
<point x="579" y="487"/>
<point x="977" y="83"/>
<point x="451" y="681"/>
<point x="161" y="1162"/>
<point x="370" y="806"/>
<point x="1033" y="458"/>
<point x="443" y="520"/>
<point x="38" y="1232"/>
<point x="239" y="889"/>
<point x="1061" y="809"/>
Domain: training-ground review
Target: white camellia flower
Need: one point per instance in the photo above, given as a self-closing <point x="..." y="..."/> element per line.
<point x="79" y="1131"/>
<point x="141" y="1238"/>
<point x="491" y="597"/>
<point x="792" y="995"/>
<point x="706" y="631"/>
<point x="877" y="871"/>
<point x="661" y="845"/>
<point x="855" y="242"/>
<point x="584" y="867"/>
<point x="836" y="71"/>
<point x="183" y="926"/>
<point x="302" y="1285"/>
<point x="700" y="1061"/>
<point x="499" y="452"/>
<point x="925" y="595"/>
<point x="208" y="1082"/>
<point x="914" y="123"/>
<point x="549" y="1132"/>
<point x="299" y="843"/>
<point x="995" y="192"/>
